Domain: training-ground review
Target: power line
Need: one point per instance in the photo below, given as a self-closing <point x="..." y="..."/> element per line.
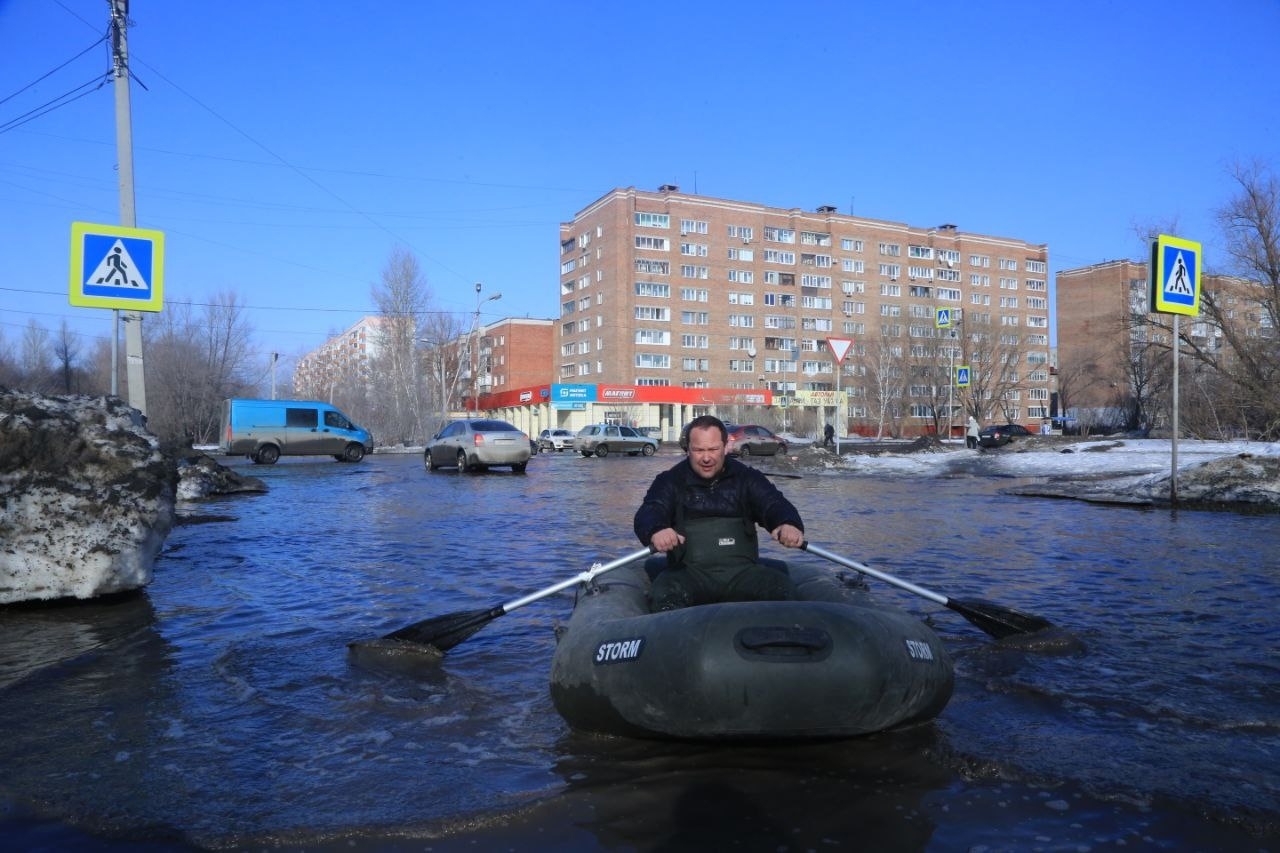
<point x="54" y="71"/>
<point x="56" y="103"/>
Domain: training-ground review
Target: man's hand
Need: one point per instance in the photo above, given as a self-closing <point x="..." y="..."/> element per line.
<point x="666" y="539"/>
<point x="787" y="534"/>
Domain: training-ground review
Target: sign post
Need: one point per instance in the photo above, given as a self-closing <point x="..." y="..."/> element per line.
<point x="942" y="320"/>
<point x="839" y="349"/>
<point x="1175" y="289"/>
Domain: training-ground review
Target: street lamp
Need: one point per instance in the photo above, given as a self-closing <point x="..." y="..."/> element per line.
<point x="475" y="341"/>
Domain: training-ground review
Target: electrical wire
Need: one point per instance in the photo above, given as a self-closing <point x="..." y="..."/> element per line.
<point x="54" y="71"/>
<point x="58" y="102"/>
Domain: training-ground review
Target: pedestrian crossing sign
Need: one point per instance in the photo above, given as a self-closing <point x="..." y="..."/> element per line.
<point x="962" y="376"/>
<point x="1175" y="276"/>
<point x="942" y="318"/>
<point x="113" y="266"/>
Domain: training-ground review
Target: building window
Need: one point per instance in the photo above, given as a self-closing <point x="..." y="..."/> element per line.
<point x="736" y="298"/>
<point x="693" y="226"/>
<point x="646" y="266"/>
<point x="650" y="312"/>
<point x="742" y="255"/>
<point x="696" y="250"/>
<point x="695" y="294"/>
<point x="652" y="360"/>
<point x="695" y="318"/>
<point x="660" y="244"/>
<point x="779" y="235"/>
<point x="773" y="256"/>
<point x="653" y="288"/>
<point x="652" y="220"/>
<point x="742" y="276"/>
<point x="654" y="337"/>
<point x="742" y="232"/>
<point x="891" y="250"/>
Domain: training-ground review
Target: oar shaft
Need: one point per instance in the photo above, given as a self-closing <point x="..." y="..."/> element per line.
<point x="582" y="577"/>
<point x="875" y="573"/>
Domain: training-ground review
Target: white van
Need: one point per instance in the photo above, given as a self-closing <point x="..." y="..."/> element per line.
<point x="265" y="430"/>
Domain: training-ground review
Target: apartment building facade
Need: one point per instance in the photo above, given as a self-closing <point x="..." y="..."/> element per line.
<point x="1106" y="329"/>
<point x="342" y="360"/>
<point x="670" y="290"/>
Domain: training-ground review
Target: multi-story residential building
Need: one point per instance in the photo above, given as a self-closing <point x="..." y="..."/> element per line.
<point x="1112" y="350"/>
<point x="515" y="353"/>
<point x="670" y="290"/>
<point x="340" y="361"/>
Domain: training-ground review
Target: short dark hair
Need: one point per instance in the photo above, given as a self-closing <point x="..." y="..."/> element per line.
<point x="703" y="422"/>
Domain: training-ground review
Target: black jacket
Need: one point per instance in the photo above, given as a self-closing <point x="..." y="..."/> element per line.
<point x="739" y="491"/>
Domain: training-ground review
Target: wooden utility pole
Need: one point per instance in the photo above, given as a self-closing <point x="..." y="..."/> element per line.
<point x="124" y="167"/>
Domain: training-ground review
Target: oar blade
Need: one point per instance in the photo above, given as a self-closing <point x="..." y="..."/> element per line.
<point x="445" y="632"/>
<point x="997" y="620"/>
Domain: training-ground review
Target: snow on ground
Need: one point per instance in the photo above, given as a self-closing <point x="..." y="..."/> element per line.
<point x="1037" y="457"/>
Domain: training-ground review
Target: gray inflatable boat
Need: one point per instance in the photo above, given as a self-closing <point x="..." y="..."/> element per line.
<point x="835" y="663"/>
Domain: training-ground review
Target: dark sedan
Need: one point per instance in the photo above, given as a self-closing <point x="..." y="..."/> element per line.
<point x="998" y="436"/>
<point x="752" y="440"/>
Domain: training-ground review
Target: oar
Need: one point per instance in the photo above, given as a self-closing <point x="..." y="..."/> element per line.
<point x="445" y="632"/>
<point x="997" y="621"/>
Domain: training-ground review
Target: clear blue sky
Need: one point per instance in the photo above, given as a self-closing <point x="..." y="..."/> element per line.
<point x="286" y="148"/>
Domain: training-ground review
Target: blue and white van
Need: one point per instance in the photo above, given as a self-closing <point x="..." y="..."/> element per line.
<point x="265" y="430"/>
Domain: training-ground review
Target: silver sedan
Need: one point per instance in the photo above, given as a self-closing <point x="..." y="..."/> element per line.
<point x="478" y="444"/>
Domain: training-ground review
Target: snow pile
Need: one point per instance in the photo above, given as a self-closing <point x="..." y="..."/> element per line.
<point x="86" y="497"/>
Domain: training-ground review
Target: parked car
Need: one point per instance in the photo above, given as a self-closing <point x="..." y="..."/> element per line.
<point x="555" y="439"/>
<point x="475" y="444"/>
<point x="998" y="436"/>
<point x="603" y="439"/>
<point x="753" y="440"/>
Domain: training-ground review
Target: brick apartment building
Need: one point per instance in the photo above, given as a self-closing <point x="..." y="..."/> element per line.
<point x="1103" y="313"/>
<point x="670" y="290"/>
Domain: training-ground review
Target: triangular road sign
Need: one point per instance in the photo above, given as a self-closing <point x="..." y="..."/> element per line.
<point x="839" y="348"/>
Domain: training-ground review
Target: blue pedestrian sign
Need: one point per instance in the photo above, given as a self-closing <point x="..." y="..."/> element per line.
<point x="1175" y="276"/>
<point x="942" y="319"/>
<point x="116" y="267"/>
<point x="962" y="375"/>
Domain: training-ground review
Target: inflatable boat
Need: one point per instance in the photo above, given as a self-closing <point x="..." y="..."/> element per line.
<point x="834" y="663"/>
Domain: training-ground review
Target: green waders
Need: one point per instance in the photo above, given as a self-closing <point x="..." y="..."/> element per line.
<point x="718" y="562"/>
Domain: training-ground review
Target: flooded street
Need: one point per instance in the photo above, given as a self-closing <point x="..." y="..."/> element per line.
<point x="222" y="707"/>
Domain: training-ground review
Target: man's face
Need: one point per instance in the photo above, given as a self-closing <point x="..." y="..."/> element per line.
<point x="706" y="451"/>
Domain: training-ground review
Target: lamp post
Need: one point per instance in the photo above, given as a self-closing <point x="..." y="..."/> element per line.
<point x="475" y="348"/>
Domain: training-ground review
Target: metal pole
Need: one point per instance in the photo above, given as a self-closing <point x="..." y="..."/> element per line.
<point x="839" y="420"/>
<point x="951" y="379"/>
<point x="124" y="165"/>
<point x="1173" y="473"/>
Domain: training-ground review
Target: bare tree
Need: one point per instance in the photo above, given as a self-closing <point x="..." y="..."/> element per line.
<point x="66" y="352"/>
<point x="403" y="300"/>
<point x="886" y="384"/>
<point x="36" y="359"/>
<point x="195" y="360"/>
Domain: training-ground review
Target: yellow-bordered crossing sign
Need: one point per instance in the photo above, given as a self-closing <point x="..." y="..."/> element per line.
<point x="1175" y="275"/>
<point x="113" y="266"/>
